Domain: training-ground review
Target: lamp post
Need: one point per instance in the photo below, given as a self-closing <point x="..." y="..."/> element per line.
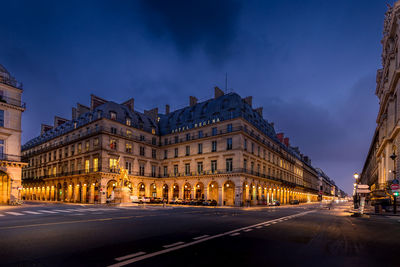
<point x="393" y="157"/>
<point x="355" y="198"/>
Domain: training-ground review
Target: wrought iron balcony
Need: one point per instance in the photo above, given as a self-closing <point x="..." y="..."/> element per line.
<point x="12" y="101"/>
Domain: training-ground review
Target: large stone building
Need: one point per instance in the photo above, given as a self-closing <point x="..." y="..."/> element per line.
<point x="382" y="162"/>
<point x="11" y="108"/>
<point x="220" y="149"/>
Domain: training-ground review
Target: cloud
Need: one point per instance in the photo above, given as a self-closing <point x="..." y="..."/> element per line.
<point x="207" y="24"/>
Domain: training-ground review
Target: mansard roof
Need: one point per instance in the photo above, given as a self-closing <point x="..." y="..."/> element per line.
<point x="225" y="107"/>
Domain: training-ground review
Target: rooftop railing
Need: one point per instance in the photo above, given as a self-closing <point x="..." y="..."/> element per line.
<point x="12" y="101"/>
<point x="11" y="82"/>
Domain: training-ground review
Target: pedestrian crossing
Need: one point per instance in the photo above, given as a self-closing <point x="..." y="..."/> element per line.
<point x="55" y="211"/>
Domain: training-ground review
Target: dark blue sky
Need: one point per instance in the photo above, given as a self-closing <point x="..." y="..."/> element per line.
<point x="310" y="64"/>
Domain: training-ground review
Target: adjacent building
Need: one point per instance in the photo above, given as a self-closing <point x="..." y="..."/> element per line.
<point x="382" y="163"/>
<point x="11" y="108"/>
<point x="220" y="149"/>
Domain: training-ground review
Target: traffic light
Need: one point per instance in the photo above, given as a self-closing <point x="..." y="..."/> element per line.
<point x="396" y="194"/>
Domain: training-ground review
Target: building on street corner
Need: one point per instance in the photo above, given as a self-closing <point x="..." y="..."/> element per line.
<point x="11" y="108"/>
<point x="220" y="149"/>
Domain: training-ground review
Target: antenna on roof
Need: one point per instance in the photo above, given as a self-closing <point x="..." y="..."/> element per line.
<point x="226" y="82"/>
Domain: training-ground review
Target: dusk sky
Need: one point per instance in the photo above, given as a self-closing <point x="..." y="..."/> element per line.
<point x="310" y="64"/>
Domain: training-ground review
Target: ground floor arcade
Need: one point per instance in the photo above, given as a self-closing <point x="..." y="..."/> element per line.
<point x="229" y="190"/>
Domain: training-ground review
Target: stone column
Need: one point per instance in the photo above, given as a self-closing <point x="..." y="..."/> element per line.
<point x="103" y="190"/>
<point x="91" y="194"/>
<point x="220" y="196"/>
<point x="238" y="195"/>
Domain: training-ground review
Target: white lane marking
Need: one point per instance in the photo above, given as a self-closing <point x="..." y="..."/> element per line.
<point x="268" y="224"/>
<point x="130" y="256"/>
<point x="273" y="222"/>
<point x="47" y="211"/>
<point x="62" y="210"/>
<point x="136" y="259"/>
<point x="174" y="244"/>
<point x="234" y="234"/>
<point x="14" y="213"/>
<point x="200" y="237"/>
<point x="32" y="212"/>
<point x="258" y="227"/>
<point x="247" y="230"/>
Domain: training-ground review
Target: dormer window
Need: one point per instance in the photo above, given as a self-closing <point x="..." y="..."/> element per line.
<point x="128" y="121"/>
<point x="113" y="115"/>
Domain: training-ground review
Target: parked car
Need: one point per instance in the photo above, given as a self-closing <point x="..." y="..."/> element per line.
<point x="210" y="203"/>
<point x="155" y="200"/>
<point x="294" y="202"/>
<point x="275" y="203"/>
<point x="176" y="201"/>
<point x="144" y="200"/>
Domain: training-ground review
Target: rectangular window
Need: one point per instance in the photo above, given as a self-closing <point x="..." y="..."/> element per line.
<point x="213" y="166"/>
<point x="176" y="139"/>
<point x="142" y="151"/>
<point x="187" y="150"/>
<point x="129" y="133"/>
<point x="54" y="170"/>
<point x="153" y="153"/>
<point x="187" y="137"/>
<point x="165" y="141"/>
<point x="128" y="166"/>
<point x="113" y="130"/>
<point x="113" y="115"/>
<point x="252" y="167"/>
<point x="229" y="128"/>
<point x="176" y="152"/>
<point x="95" y="164"/>
<point x="187" y="168"/>
<point x="229" y="144"/>
<point x="252" y="148"/>
<point x="113" y="165"/>
<point x="245" y="165"/>
<point x="200" y="146"/>
<point x="95" y="142"/>
<point x="154" y="141"/>
<point x="200" y="134"/>
<point x="66" y="152"/>
<point x="79" y="148"/>
<point x="213" y="146"/>
<point x="142" y="138"/>
<point x="128" y="148"/>
<point x="72" y="150"/>
<point x="165" y="171"/>
<point x="175" y="170"/>
<point x="245" y="144"/>
<point x="165" y="154"/>
<point x="128" y="121"/>
<point x="200" y="167"/>
<point x="113" y="144"/>
<point x="214" y="131"/>
<point x="1" y="118"/>
<point x="87" y="166"/>
<point x="87" y="146"/>
<point x="153" y="171"/>
<point x="228" y="165"/>
<point x="141" y="169"/>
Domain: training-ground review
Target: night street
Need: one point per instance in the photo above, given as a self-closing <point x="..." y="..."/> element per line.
<point x="74" y="235"/>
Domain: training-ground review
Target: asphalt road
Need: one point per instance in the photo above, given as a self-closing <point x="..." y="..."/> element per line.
<point x="70" y="235"/>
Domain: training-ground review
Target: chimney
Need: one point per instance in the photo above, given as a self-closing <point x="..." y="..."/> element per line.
<point x="167" y="109"/>
<point x="152" y="113"/>
<point x="74" y="113"/>
<point x="58" y="121"/>
<point x="248" y="100"/>
<point x="44" y="128"/>
<point x="218" y="92"/>
<point x="286" y="141"/>
<point x="280" y="137"/>
<point x="193" y="101"/>
<point x="96" y="101"/>
<point x="81" y="109"/>
<point x="130" y="104"/>
<point x="259" y="111"/>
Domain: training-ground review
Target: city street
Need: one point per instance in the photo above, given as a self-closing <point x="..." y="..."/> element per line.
<point x="75" y="235"/>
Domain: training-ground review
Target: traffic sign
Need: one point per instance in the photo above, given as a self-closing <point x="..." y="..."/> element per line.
<point x="395" y="186"/>
<point x="362" y="186"/>
<point x="363" y="191"/>
<point x="395" y="181"/>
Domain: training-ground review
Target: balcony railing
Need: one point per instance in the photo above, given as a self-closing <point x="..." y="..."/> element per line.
<point x="12" y="101"/>
<point x="11" y="82"/>
<point x="12" y="158"/>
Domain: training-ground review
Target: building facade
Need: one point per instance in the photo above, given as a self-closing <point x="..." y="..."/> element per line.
<point x="382" y="163"/>
<point x="11" y="108"/>
<point x="220" y="149"/>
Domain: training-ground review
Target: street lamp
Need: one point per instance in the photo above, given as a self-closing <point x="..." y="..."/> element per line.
<point x="355" y="198"/>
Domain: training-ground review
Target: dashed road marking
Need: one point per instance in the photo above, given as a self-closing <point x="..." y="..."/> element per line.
<point x="247" y="230"/>
<point x="130" y="256"/>
<point x="63" y="211"/>
<point x="47" y="211"/>
<point x="234" y="234"/>
<point x="200" y="237"/>
<point x="174" y="244"/>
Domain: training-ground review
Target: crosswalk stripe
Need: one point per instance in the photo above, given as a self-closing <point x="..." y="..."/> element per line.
<point x="14" y="213"/>
<point x="32" y="212"/>
<point x="47" y="211"/>
<point x="63" y="211"/>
